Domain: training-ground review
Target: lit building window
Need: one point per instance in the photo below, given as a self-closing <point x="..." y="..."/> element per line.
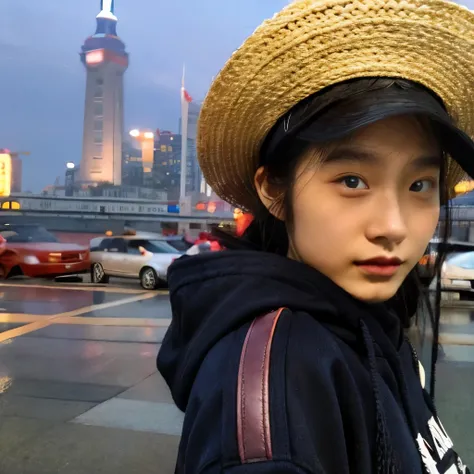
<point x="13" y="205"/>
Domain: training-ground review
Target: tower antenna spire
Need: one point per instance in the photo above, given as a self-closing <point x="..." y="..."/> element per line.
<point x="107" y="8"/>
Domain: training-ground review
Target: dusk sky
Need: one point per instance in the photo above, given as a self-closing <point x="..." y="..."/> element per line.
<point x="42" y="80"/>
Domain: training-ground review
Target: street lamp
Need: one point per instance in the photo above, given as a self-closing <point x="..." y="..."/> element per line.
<point x="141" y="134"/>
<point x="69" y="179"/>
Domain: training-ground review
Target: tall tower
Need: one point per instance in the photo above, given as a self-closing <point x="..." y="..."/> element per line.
<point x="106" y="61"/>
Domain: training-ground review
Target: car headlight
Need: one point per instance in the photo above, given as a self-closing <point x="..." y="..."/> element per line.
<point x="31" y="260"/>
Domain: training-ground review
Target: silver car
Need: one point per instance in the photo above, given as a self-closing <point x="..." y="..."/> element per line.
<point x="458" y="271"/>
<point x="144" y="256"/>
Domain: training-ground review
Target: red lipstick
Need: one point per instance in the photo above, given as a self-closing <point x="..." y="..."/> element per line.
<point x="380" y="266"/>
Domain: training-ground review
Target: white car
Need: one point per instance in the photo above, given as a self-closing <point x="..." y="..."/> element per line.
<point x="458" y="271"/>
<point x="143" y="256"/>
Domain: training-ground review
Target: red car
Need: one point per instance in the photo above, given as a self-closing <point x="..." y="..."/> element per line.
<point x="32" y="251"/>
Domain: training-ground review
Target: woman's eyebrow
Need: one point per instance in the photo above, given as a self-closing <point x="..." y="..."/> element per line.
<point x="350" y="153"/>
<point x="354" y="154"/>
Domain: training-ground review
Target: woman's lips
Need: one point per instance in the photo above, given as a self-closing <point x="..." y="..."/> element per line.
<point x="380" y="266"/>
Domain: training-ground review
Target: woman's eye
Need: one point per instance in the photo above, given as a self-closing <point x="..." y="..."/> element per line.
<point x="353" y="182"/>
<point x="422" y="186"/>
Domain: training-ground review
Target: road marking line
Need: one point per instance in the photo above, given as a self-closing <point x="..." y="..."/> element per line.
<point x="111" y="304"/>
<point x="105" y="289"/>
<point x="456" y="339"/>
<point x="20" y="318"/>
<point x="21" y="331"/>
<point x="124" y="322"/>
<point x="136" y="415"/>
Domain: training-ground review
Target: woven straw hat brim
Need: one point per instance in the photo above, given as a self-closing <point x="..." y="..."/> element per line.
<point x="311" y="45"/>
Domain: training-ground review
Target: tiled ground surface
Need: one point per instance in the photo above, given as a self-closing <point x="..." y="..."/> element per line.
<point x="80" y="393"/>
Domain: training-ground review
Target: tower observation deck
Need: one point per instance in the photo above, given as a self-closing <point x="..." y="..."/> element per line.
<point x="106" y="60"/>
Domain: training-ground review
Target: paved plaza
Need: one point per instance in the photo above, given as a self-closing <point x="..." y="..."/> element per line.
<point x="79" y="391"/>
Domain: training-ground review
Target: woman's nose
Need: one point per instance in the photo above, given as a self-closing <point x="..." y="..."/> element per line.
<point x="387" y="221"/>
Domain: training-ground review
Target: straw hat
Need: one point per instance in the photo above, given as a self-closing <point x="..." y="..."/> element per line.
<point x="312" y="44"/>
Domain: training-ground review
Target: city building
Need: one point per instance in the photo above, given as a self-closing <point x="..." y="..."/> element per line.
<point x="146" y="140"/>
<point x="194" y="171"/>
<point x="167" y="162"/>
<point x="193" y="174"/>
<point x="17" y="174"/>
<point x="16" y="169"/>
<point x="106" y="61"/>
<point x="132" y="169"/>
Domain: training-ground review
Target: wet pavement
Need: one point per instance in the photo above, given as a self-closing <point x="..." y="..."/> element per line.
<point x="79" y="391"/>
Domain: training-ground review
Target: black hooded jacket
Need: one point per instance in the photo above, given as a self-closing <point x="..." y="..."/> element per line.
<point x="344" y="385"/>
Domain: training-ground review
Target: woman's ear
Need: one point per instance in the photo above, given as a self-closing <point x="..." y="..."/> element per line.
<point x="270" y="195"/>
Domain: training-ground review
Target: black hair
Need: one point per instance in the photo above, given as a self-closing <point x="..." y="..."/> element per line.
<point x="270" y="234"/>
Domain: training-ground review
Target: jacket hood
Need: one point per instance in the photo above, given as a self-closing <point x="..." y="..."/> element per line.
<point x="213" y="294"/>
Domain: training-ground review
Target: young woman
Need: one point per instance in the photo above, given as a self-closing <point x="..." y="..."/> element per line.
<point x="343" y="127"/>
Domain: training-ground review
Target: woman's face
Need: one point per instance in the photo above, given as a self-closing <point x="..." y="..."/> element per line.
<point x="365" y="215"/>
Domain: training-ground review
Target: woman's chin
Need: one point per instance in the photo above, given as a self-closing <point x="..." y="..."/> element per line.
<point x="373" y="291"/>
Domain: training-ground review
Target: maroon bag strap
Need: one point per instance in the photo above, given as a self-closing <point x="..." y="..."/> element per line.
<point x="253" y="404"/>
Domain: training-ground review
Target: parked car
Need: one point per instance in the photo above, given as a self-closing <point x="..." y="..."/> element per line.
<point x="142" y="255"/>
<point x="457" y="253"/>
<point x="178" y="242"/>
<point x="458" y="271"/>
<point x="32" y="251"/>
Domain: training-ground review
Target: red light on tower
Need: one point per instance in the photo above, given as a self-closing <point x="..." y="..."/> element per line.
<point x="211" y="207"/>
<point x="95" y="57"/>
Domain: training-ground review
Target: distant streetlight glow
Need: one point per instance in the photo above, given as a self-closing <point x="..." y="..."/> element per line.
<point x="464" y="187"/>
<point x="140" y="134"/>
<point x="70" y="165"/>
<point x="147" y="142"/>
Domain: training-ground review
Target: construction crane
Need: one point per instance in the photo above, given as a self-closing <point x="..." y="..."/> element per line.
<point x="14" y="154"/>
